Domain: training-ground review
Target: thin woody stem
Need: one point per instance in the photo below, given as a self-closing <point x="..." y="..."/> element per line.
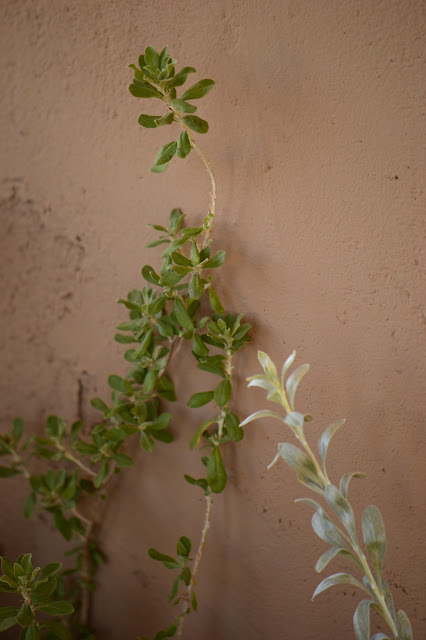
<point x="208" y="222"/>
<point x="187" y="598"/>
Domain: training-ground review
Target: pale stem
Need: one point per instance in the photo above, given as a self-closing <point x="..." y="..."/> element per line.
<point x="69" y="456"/>
<point x="206" y="527"/>
<point x="210" y="217"/>
<point x="85" y="569"/>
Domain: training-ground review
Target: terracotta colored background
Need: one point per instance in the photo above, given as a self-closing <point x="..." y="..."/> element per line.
<point x="315" y="139"/>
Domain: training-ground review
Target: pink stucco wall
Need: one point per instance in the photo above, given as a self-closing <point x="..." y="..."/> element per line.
<point x="315" y="138"/>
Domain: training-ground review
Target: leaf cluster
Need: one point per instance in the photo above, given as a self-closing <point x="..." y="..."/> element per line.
<point x="156" y="77"/>
<point x="36" y="587"/>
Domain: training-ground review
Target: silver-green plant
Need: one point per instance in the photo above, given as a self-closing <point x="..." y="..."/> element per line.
<point x="337" y="526"/>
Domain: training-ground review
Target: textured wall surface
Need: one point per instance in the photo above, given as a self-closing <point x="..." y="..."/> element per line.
<point x="315" y="138"/>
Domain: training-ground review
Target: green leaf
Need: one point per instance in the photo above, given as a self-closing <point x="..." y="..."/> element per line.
<point x="62" y="525"/>
<point x="201" y="482"/>
<point x="223" y="393"/>
<point x="182" y="315"/>
<point x="32" y="633"/>
<point x="183" y="546"/>
<point x="121" y="339"/>
<point x="18" y="428"/>
<point x="99" y="404"/>
<point x="233" y="427"/>
<point x="150" y="380"/>
<point x="194" y="603"/>
<point x="325" y="438"/>
<point x="144" y="90"/>
<point x="42" y="592"/>
<point x="152" y="58"/>
<point x="197" y="435"/>
<point x="183" y="145"/>
<point x="200" y="399"/>
<point x="196" y="124"/>
<point x="48" y="571"/>
<point x="7" y="568"/>
<point x="149" y="122"/>
<point x="337" y="579"/>
<point x="217" y="261"/>
<point x="28" y="507"/>
<point x="102" y="474"/>
<point x="165" y="154"/>
<point x="122" y="460"/>
<point x="146" y="442"/>
<point x="216" y="474"/>
<point x="168" y="561"/>
<point x="60" y="631"/>
<point x="198" y="90"/>
<point x="6" y="623"/>
<point x="214" y="301"/>
<point x="196" y="287"/>
<point x="181" y="260"/>
<point x="25" y="616"/>
<point x="162" y="422"/>
<point x="117" y="383"/>
<point x="59" y="608"/>
<point x="149" y="274"/>
<point x="7" y="472"/>
<point x="167" y="118"/>
<point x="198" y="346"/>
<point x="183" y="107"/>
<point x="171" y="278"/>
<point x="7" y="612"/>
<point x="373" y="531"/>
<point x="179" y="79"/>
<point x="362" y="620"/>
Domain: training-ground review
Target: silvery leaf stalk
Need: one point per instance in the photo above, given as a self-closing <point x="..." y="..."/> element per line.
<point x="336" y="526"/>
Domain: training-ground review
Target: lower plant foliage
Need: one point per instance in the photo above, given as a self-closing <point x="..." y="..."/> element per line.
<point x="333" y="520"/>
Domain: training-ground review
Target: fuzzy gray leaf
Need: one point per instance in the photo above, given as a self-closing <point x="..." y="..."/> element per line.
<point x="293" y="382"/>
<point x="325" y="438"/>
<point x="362" y="620"/>
<point x="337" y="579"/>
<point x="286" y="366"/>
<point x="345" y="480"/>
<point x="404" y="626"/>
<point x="373" y="531"/>
<point x="341" y="507"/>
<point x="265" y="413"/>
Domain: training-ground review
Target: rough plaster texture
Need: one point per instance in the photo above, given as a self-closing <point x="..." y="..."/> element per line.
<point x="316" y="142"/>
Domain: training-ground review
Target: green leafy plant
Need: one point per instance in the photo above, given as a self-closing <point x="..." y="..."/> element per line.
<point x="36" y="589"/>
<point x="177" y="306"/>
<point x="336" y="527"/>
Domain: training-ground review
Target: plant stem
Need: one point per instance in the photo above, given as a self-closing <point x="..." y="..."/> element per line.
<point x="208" y="222"/>
<point x="85" y="568"/>
<point x="206" y="527"/>
<point x="69" y="456"/>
